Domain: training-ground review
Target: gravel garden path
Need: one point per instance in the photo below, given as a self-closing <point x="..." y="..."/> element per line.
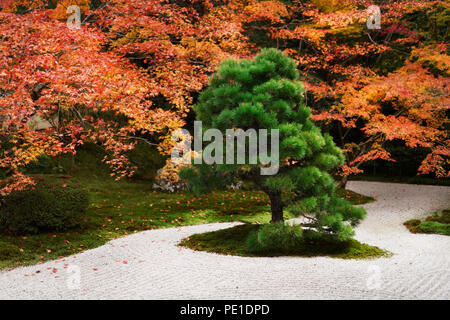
<point x="149" y="265"/>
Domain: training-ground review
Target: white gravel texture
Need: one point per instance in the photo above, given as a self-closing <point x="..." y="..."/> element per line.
<point x="157" y="269"/>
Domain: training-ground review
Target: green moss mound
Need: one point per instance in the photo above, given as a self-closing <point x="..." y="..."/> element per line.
<point x="438" y="223"/>
<point x="233" y="241"/>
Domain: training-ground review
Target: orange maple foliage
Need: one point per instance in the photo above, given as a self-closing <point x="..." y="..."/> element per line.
<point x="83" y="92"/>
<point x="347" y="88"/>
<point x="419" y="102"/>
<point x="130" y="72"/>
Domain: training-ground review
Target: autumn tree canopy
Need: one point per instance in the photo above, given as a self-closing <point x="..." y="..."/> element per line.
<point x="115" y="80"/>
<point x="134" y="68"/>
<point x="370" y="85"/>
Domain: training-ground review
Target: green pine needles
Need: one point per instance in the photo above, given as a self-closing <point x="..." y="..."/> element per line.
<point x="264" y="93"/>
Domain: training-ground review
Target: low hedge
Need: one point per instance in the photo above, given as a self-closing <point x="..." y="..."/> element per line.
<point x="43" y="208"/>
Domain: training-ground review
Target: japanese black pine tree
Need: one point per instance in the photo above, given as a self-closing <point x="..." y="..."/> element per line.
<point x="264" y="93"/>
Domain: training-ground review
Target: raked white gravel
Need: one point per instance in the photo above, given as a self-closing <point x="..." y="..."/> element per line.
<point x="156" y="268"/>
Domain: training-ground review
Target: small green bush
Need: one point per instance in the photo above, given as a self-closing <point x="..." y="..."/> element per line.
<point x="43" y="208"/>
<point x="276" y="237"/>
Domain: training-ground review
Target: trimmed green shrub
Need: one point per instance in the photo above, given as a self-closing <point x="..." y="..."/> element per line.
<point x="43" y="208"/>
<point x="275" y="237"/>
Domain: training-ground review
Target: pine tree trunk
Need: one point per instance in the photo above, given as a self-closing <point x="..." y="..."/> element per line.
<point x="276" y="206"/>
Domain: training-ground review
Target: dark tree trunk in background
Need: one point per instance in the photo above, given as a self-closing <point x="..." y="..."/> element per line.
<point x="343" y="182"/>
<point x="276" y="206"/>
